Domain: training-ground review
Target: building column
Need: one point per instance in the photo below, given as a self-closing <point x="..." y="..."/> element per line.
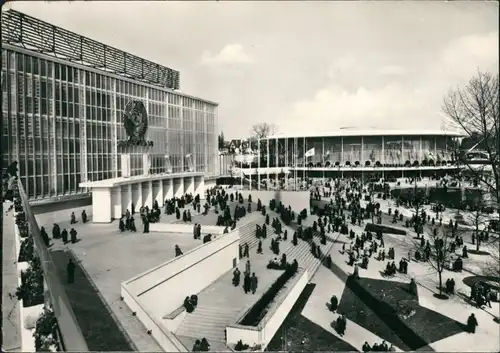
<point x="201" y="187"/>
<point x="420" y="151"/>
<point x="147" y="194"/>
<point x="116" y="200"/>
<point x="190" y="188"/>
<point x="101" y="205"/>
<point x="181" y="190"/>
<point x="137" y="196"/>
<point x="159" y="194"/>
<point x="169" y="190"/>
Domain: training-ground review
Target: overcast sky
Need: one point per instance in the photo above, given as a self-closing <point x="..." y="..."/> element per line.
<point x="306" y="67"/>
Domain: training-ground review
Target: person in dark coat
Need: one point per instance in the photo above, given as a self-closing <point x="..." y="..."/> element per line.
<point x="84" y="216"/>
<point x="132" y="226"/>
<point x="73" y="234"/>
<point x="246" y="283"/>
<point x="45" y="236"/>
<point x="204" y="345"/>
<point x="121" y="226"/>
<point x="366" y="347"/>
<point x="236" y="277"/>
<point x="56" y="231"/>
<point x="253" y="283"/>
<point x="196" y="346"/>
<point x="246" y="250"/>
<point x="178" y="251"/>
<point x="334" y="303"/>
<point x="195" y="231"/>
<point x="472" y="324"/>
<point x="64" y="236"/>
<point x="70" y="271"/>
<point x="259" y="247"/>
<point x="72" y="218"/>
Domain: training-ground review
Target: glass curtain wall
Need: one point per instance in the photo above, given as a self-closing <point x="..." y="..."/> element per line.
<point x="62" y="124"/>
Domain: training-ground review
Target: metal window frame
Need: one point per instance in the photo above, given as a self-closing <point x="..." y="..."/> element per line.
<point x="33" y="34"/>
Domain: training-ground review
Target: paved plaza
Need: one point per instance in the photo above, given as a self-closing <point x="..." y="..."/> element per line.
<point x="106" y="257"/>
<point x="435" y="324"/>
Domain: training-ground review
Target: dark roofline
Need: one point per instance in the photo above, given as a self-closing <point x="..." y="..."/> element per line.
<point x="30" y="33"/>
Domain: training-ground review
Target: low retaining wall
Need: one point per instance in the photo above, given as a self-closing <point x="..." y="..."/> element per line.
<point x="265" y="331"/>
<point x="155" y="294"/>
<point x="298" y="200"/>
<point x="27" y="339"/>
<point x="165" y="339"/>
<point x="183" y="228"/>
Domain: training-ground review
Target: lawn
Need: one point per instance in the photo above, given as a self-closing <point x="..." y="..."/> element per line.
<point x="388" y="310"/>
<point x="303" y="334"/>
<point x="100" y="330"/>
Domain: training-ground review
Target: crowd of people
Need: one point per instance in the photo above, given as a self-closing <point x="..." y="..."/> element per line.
<point x="344" y="196"/>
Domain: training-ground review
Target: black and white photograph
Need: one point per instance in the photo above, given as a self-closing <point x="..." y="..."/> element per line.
<point x="250" y="176"/>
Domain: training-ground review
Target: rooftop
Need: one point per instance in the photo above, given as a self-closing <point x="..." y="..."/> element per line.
<point x="352" y="132"/>
<point x="31" y="33"/>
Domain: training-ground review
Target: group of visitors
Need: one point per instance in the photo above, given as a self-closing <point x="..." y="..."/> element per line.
<point x="481" y="294"/>
<point x="357" y="250"/>
<point x="382" y="347"/>
<point x="58" y="234"/>
<point x="250" y="280"/>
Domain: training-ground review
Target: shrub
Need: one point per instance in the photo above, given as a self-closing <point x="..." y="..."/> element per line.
<point x="31" y="289"/>
<point x="259" y="309"/>
<point x="45" y="331"/>
<point x="26" y="251"/>
<point x="23" y="229"/>
<point x="370" y="227"/>
<point x="240" y="346"/>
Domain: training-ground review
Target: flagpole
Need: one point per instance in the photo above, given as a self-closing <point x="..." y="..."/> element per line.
<point x="250" y="169"/>
<point x="295" y="148"/>
<point x="305" y="160"/>
<point x="241" y="164"/>
<point x="267" y="162"/>
<point x="258" y="163"/>
<point x="323" y="154"/>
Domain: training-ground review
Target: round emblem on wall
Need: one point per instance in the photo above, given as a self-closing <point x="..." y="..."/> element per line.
<point x="135" y="120"/>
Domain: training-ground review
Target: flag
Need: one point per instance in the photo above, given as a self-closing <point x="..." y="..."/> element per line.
<point x="327" y="153"/>
<point x="310" y="153"/>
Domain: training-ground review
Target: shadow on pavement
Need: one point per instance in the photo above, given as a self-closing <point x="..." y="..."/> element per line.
<point x="100" y="330"/>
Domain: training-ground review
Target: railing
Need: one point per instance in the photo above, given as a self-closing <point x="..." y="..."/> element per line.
<point x="71" y="333"/>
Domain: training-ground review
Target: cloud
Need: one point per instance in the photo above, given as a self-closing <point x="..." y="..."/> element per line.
<point x="392" y="70"/>
<point x="230" y="54"/>
<point x="363" y="96"/>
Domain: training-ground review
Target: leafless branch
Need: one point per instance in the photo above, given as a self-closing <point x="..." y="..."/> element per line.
<point x="475" y="109"/>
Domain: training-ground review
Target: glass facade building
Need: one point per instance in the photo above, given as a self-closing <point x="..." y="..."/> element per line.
<point x="365" y="150"/>
<point x="62" y="122"/>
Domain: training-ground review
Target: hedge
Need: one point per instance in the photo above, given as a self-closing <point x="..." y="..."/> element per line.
<point x="254" y="316"/>
<point x="374" y="228"/>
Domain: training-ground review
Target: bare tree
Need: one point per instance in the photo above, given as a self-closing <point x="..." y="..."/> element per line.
<point x="437" y="252"/>
<point x="475" y="109"/>
<point x="221" y="140"/>
<point x="263" y="130"/>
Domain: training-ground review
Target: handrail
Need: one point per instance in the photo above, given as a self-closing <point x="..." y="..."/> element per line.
<point x="71" y="332"/>
<point x="170" y="335"/>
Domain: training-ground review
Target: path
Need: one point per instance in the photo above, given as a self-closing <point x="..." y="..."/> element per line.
<point x="11" y="320"/>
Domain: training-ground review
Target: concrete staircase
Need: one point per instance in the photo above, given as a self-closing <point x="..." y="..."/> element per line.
<point x="302" y="252"/>
<point x="221" y="304"/>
